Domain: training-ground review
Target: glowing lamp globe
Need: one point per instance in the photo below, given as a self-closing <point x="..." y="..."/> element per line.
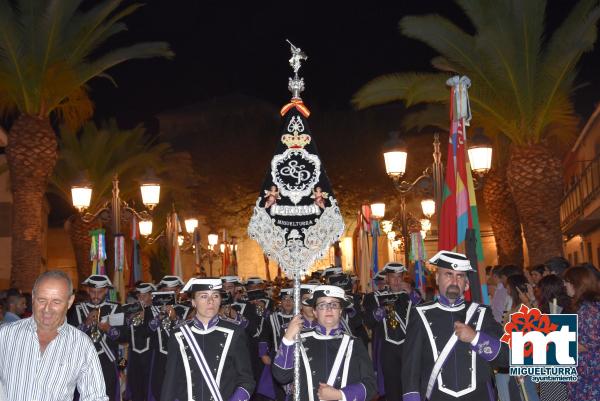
<point x="378" y="210"/>
<point x="428" y="207"/>
<point x="191" y="224"/>
<point x="81" y="197"/>
<point x="213" y="239"/>
<point x="145" y="227"/>
<point x="480" y="153"/>
<point x="394" y="155"/>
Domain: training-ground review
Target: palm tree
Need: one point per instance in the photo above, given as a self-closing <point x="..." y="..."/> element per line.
<point x="49" y="52"/>
<point x="522" y="83"/>
<point x="100" y="153"/>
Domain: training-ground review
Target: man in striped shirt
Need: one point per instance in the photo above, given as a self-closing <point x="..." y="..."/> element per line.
<point x="42" y="358"/>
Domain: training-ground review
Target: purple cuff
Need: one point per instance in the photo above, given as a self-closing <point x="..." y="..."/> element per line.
<point x="83" y="327"/>
<point x="379" y="313"/>
<point x="113" y="333"/>
<point x="285" y="356"/>
<point x="263" y="348"/>
<point x="412" y="396"/>
<point x="355" y="392"/>
<point x="415" y="298"/>
<point x="240" y="394"/>
<point x="487" y="347"/>
<point x="351" y="312"/>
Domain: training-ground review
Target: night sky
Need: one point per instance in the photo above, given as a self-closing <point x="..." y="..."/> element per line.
<point x="239" y="47"/>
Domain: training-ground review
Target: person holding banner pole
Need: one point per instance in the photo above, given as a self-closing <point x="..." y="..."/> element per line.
<point x="451" y="344"/>
<point x="208" y="357"/>
<point x="333" y="364"/>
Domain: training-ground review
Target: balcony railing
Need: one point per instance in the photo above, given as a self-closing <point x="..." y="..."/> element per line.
<point x="585" y="189"/>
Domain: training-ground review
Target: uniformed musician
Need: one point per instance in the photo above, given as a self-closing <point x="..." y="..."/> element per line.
<point x="387" y="315"/>
<point x="138" y="318"/>
<point x="451" y="345"/>
<point x="208" y="356"/>
<point x="176" y="314"/>
<point x="93" y="318"/>
<point x="352" y="317"/>
<point x="334" y="365"/>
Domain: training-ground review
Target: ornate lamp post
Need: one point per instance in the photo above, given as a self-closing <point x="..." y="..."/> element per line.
<point x="395" y="156"/>
<point x="81" y="194"/>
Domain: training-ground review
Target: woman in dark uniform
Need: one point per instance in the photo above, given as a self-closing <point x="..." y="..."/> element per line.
<point x="334" y="365"/>
<point x="208" y="357"/>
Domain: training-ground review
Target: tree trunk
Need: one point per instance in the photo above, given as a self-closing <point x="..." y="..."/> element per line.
<point x="31" y="154"/>
<point x="79" y="231"/>
<point x="534" y="175"/>
<point x="504" y="218"/>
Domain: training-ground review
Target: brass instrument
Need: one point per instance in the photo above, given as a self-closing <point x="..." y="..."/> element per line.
<point x="165" y="318"/>
<point x="389" y="303"/>
<point x="391" y="316"/>
<point x="260" y="309"/>
<point x="95" y="333"/>
<point x="138" y="318"/>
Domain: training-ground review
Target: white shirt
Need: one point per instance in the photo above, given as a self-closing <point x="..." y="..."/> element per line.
<point x="69" y="361"/>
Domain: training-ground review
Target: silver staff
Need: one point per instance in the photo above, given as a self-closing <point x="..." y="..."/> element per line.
<point x="296" y="86"/>
<point x="297" y="339"/>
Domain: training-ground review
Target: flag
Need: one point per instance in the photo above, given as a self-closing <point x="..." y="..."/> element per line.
<point x="418" y="256"/>
<point x="117" y="294"/>
<point x="363" y="263"/>
<point x="173" y="230"/>
<point x="459" y="205"/>
<point x="98" y="251"/>
<point x="135" y="262"/>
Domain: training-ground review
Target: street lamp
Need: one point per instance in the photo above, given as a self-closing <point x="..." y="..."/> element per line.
<point x="395" y="155"/>
<point x="81" y="193"/>
<point x="378" y="210"/>
<point x="480" y="153"/>
<point x="428" y="207"/>
<point x="150" y="190"/>
<point x="145" y="227"/>
<point x="191" y="224"/>
<point x="213" y="240"/>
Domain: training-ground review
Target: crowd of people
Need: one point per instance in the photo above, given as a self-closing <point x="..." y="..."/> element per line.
<point x="223" y="339"/>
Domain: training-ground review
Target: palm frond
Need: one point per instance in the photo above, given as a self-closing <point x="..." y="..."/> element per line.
<point x="49" y="52"/>
<point x="103" y="151"/>
<point x="411" y="88"/>
<point x="521" y="83"/>
<point x="450" y="41"/>
<point x="431" y="115"/>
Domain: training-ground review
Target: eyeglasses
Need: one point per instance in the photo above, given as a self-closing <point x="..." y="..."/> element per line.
<point x="330" y="305"/>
